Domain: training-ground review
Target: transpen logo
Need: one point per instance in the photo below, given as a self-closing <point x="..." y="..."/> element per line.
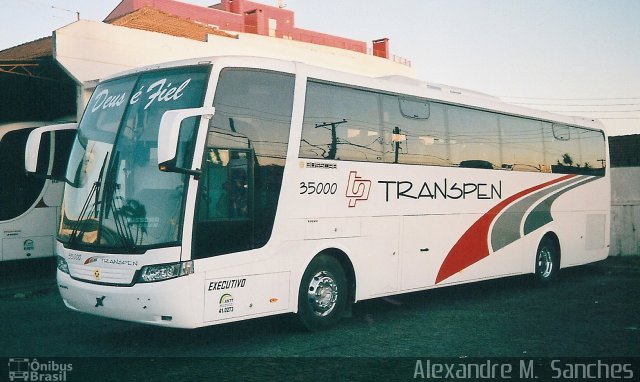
<point x="92" y="260"/>
<point x="357" y="188"/>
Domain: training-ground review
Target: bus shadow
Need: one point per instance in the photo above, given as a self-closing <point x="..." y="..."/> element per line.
<point x="282" y="335"/>
<point x="470" y="295"/>
<point x="131" y="339"/>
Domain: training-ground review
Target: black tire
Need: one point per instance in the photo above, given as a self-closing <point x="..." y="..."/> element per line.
<point x="323" y="294"/>
<point x="547" y="261"/>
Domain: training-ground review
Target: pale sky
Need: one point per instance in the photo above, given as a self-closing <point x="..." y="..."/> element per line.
<point x="580" y="57"/>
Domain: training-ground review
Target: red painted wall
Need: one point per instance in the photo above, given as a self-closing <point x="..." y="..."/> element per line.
<point x="244" y="16"/>
<point x="381" y="47"/>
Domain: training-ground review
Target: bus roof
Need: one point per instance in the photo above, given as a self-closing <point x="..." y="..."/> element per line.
<point x="13" y="126"/>
<point x="393" y="84"/>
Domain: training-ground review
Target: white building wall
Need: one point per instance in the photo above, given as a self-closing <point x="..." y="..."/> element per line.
<point x="625" y="211"/>
<point x="92" y="50"/>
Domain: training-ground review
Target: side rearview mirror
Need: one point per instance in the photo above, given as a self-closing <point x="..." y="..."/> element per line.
<point x="62" y="135"/>
<point x="169" y="133"/>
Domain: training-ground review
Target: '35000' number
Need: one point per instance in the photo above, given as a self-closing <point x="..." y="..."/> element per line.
<point x="313" y="188"/>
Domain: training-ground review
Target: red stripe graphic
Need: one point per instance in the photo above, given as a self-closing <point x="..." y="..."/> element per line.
<point x="473" y="246"/>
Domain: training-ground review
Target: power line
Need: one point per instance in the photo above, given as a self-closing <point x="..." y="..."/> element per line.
<point x="567" y="104"/>
<point x="595" y="111"/>
<point x="591" y="113"/>
<point x="573" y="99"/>
<point x="623" y="118"/>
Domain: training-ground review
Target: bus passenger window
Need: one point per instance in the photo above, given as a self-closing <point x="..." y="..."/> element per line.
<point x="415" y="131"/>
<point x="593" y="153"/>
<point x="574" y="150"/>
<point x="522" y="146"/>
<point x="473" y="137"/>
<point x="414" y="108"/>
<point x="341" y="123"/>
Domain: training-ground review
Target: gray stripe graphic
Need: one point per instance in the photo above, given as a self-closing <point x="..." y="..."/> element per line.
<point x="541" y="214"/>
<point x="506" y="229"/>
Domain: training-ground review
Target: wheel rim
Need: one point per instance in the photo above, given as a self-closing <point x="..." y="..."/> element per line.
<point x="545" y="262"/>
<point x="322" y="293"/>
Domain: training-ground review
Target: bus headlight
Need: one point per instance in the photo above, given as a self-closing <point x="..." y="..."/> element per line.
<point x="159" y="272"/>
<point x="62" y="264"/>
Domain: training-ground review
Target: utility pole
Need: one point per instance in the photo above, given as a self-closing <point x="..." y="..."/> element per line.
<point x="333" y="149"/>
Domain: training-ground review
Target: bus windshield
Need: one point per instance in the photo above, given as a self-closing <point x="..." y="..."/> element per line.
<point x="115" y="196"/>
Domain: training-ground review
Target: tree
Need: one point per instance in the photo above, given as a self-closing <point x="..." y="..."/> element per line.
<point x="567" y="160"/>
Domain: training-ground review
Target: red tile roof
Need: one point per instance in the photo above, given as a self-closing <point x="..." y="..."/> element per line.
<point x="153" y="20"/>
<point x="40" y="48"/>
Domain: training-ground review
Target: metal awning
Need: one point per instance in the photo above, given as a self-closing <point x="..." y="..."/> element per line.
<point x="36" y="68"/>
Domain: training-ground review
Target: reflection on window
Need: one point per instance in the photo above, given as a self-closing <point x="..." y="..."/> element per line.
<point x="344" y="123"/>
<point x="592" y="150"/>
<point x="243" y="161"/>
<point x="522" y="144"/>
<point x="341" y="123"/>
<point x="227" y="177"/>
<point x="576" y="151"/>
<point x="116" y="196"/>
<point x="414" y="108"/>
<point x="473" y="138"/>
<point x="415" y="140"/>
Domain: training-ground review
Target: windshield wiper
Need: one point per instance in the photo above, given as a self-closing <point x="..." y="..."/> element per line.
<point x="111" y="193"/>
<point x="122" y="225"/>
<point x="95" y="191"/>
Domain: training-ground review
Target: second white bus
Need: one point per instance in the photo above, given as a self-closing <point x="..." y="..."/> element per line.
<point x="226" y="188"/>
<point x="29" y="205"/>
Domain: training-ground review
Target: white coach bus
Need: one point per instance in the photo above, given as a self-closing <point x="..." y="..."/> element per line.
<point x="227" y="188"/>
<point x="28" y="205"/>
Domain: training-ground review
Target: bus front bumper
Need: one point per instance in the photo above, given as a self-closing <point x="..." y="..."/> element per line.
<point x="163" y="303"/>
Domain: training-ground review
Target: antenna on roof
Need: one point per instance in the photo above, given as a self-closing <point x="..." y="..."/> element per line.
<point x="281" y="4"/>
<point x="65" y="10"/>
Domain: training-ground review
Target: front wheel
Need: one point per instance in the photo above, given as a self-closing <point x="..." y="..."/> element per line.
<point x="547" y="261"/>
<point x="322" y="297"/>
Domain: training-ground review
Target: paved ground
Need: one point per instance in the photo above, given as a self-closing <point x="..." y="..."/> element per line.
<point x="590" y="311"/>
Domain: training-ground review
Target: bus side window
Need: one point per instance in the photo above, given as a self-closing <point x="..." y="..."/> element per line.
<point x="414" y="131"/>
<point x="574" y="150"/>
<point x="341" y="123"/>
<point x="473" y="137"/>
<point x="593" y="152"/>
<point x="522" y="144"/>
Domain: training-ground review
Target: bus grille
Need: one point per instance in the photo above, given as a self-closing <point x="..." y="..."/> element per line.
<point x="102" y="275"/>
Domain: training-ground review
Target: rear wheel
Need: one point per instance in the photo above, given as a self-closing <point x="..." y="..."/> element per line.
<point x="322" y="297"/>
<point x="547" y="261"/>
